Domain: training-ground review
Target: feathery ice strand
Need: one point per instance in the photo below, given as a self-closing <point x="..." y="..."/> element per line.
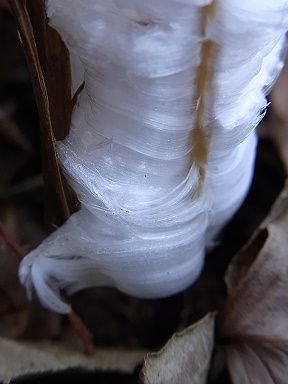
<point x="149" y="203"/>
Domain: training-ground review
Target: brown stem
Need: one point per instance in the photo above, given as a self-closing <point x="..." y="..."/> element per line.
<point x="13" y="244"/>
<point x="82" y="331"/>
<point x="76" y="323"/>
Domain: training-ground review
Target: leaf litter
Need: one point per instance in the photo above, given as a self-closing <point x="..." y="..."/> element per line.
<point x="253" y="326"/>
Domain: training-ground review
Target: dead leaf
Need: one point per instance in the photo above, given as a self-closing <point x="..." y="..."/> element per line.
<point x="253" y="325"/>
<point x="19" y="359"/>
<point x="185" y="358"/>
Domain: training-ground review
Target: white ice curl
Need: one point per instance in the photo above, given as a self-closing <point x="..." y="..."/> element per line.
<point x="143" y="225"/>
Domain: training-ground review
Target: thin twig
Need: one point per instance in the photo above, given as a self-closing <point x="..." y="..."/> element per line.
<point x="82" y="331"/>
<point x="76" y="323"/>
<point x="13" y="244"/>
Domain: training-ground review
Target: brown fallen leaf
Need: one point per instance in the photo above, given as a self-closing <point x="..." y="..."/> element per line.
<point x="185" y="358"/>
<point x="253" y="326"/>
<point x="19" y="359"/>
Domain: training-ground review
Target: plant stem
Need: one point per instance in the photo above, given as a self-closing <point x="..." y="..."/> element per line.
<point x="76" y="323"/>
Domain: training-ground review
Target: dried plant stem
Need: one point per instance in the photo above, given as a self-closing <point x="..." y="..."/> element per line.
<point x="76" y="323"/>
<point x="82" y="331"/>
<point x="36" y="39"/>
<point x="9" y="240"/>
